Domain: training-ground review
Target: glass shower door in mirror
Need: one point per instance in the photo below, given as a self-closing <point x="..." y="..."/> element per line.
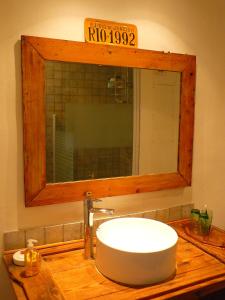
<point x="89" y="121"/>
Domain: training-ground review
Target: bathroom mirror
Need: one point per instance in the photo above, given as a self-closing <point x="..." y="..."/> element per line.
<point x="93" y="130"/>
<point x="104" y="119"/>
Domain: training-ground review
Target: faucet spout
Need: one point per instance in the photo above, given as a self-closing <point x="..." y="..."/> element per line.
<point x="109" y="211"/>
<point x="89" y="211"/>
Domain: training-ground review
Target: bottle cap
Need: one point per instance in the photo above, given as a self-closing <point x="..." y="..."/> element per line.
<point x="18" y="258"/>
<point x="31" y="242"/>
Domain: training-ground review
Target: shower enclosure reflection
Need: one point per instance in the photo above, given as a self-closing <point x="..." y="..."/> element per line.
<point x="107" y="121"/>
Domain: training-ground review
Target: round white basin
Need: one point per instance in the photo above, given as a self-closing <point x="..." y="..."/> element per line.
<point x="136" y="251"/>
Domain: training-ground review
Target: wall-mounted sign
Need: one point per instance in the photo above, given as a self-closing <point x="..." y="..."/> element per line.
<point x="111" y="33"/>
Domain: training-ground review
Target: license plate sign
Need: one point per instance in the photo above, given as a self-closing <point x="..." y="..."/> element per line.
<point x="110" y="33"/>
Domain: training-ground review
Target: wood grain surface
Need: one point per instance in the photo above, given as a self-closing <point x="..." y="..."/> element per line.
<point x="200" y="271"/>
<point x="205" y="244"/>
<point x="35" y="51"/>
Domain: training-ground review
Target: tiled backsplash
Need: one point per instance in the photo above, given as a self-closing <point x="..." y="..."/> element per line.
<point x="72" y="231"/>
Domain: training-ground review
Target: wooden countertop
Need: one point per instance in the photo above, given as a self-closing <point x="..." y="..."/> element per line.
<point x="65" y="275"/>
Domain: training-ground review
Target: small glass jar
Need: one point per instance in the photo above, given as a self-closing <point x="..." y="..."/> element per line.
<point x="195" y="214"/>
<point x="205" y="222"/>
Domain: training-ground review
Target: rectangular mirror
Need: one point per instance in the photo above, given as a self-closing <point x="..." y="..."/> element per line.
<point x="104" y="119"/>
<point x="93" y="130"/>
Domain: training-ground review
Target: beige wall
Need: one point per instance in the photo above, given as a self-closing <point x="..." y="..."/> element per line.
<point x="184" y="26"/>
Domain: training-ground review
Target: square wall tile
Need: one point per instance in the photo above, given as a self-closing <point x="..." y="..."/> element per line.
<point x="175" y="213"/>
<point x="14" y="240"/>
<point x="82" y="230"/>
<point x="54" y="234"/>
<point x="186" y="210"/>
<point x="162" y="215"/>
<point x="150" y="214"/>
<point x="36" y="233"/>
<point x="72" y="231"/>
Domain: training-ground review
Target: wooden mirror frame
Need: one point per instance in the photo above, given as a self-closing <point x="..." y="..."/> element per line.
<point x="35" y="50"/>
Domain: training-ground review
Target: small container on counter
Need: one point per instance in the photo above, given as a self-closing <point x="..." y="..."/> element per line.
<point x="32" y="259"/>
<point x="205" y="221"/>
<point x="195" y="213"/>
<point x="18" y="258"/>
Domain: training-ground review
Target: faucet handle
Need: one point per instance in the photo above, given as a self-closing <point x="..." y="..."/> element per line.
<point x="89" y="196"/>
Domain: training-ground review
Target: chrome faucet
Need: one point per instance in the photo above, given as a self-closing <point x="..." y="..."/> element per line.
<point x="89" y="211"/>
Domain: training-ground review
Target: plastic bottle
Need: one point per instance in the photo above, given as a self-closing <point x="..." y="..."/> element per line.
<point x="32" y="259"/>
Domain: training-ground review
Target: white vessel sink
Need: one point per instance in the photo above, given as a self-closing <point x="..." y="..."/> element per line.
<point x="136" y="251"/>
